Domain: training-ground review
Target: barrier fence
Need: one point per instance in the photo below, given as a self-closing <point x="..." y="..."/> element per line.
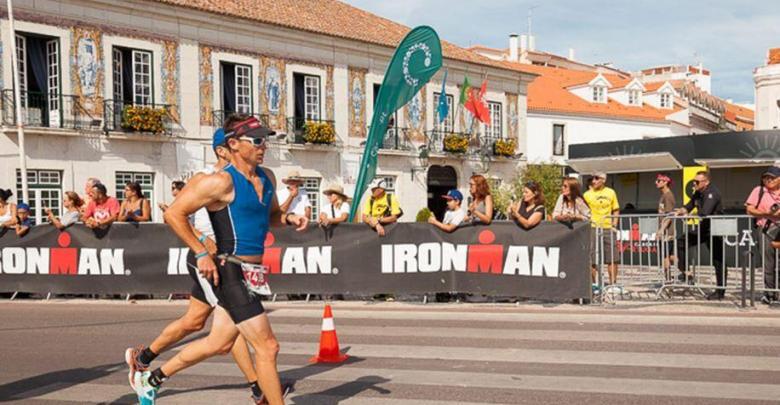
<point x="668" y="254"/>
<point x="497" y="260"/>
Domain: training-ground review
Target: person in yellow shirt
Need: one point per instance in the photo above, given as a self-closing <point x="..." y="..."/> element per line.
<point x="381" y="209"/>
<point x="603" y="203"/>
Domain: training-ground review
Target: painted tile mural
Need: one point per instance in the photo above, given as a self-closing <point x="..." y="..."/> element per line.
<point x="357" y="102"/>
<point x="513" y="118"/>
<point x="415" y="116"/>
<point x="329" y="94"/>
<point x="170" y="77"/>
<point x="206" y="85"/>
<point x="273" y="91"/>
<point x="87" y="73"/>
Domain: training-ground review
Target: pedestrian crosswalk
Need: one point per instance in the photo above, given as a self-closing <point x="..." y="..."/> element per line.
<point x="468" y="354"/>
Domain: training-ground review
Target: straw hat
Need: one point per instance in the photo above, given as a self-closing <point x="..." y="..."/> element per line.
<point x="335" y="189"/>
<point x="293" y="177"/>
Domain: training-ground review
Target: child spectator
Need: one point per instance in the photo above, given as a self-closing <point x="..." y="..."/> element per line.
<point x="454" y="215"/>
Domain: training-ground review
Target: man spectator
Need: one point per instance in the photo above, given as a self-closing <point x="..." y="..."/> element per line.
<point x="706" y="200"/>
<point x="382" y="208"/>
<point x="89" y="191"/>
<point x="604" y="209"/>
<point x="103" y="210"/>
<point x="666" y="230"/>
<point x="176" y="187"/>
<point x="763" y="204"/>
<point x="294" y="203"/>
<point x="23" y="220"/>
<point x="454" y="215"/>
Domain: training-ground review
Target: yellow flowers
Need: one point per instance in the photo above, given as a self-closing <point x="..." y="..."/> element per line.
<point x="455" y="143"/>
<point x="504" y="147"/>
<point x="143" y="119"/>
<point x="319" y="132"/>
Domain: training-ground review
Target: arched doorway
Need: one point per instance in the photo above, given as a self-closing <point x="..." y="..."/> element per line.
<point x="440" y="180"/>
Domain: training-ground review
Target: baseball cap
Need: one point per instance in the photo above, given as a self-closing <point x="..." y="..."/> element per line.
<point x="218" y="139"/>
<point x="378" y="183"/>
<point x="453" y="195"/>
<point x="773" y="171"/>
<point x="600" y="175"/>
<point x="663" y="176"/>
<point x="22" y="206"/>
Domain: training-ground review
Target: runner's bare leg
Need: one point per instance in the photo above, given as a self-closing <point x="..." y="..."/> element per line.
<point x="192" y="321"/>
<point x="257" y="331"/>
<point x="243" y="358"/>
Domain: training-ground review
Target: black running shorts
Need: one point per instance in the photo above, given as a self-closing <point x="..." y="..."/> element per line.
<point x="233" y="294"/>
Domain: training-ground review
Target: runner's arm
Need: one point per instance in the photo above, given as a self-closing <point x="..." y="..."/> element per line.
<point x="198" y="193"/>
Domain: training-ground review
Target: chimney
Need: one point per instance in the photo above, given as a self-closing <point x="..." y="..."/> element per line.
<point x="571" y="53"/>
<point x="531" y="43"/>
<point x="523" y="43"/>
<point x="774" y="56"/>
<point x="513" y="47"/>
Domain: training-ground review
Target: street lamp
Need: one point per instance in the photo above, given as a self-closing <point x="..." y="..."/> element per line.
<point x="422" y="157"/>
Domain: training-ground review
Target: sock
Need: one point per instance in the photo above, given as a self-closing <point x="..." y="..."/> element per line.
<point x="157" y="378"/>
<point x="256" y="392"/>
<point x="146" y="356"/>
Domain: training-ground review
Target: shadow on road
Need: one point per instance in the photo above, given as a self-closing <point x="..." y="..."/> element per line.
<point x="56" y="380"/>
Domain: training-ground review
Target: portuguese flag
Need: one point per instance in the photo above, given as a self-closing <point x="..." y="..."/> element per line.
<point x="464" y="90"/>
<point x="475" y="102"/>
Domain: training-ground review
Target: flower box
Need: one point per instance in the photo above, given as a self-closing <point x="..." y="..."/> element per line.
<point x="504" y="147"/>
<point x="454" y="143"/>
<point x="143" y="119"/>
<point x="319" y="133"/>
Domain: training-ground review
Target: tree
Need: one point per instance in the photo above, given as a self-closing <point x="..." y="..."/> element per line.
<point x="548" y="176"/>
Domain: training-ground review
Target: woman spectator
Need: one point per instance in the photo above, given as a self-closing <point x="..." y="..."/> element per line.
<point x="7" y="210"/>
<point x="529" y="212"/>
<point x="571" y="206"/>
<point x="481" y="207"/>
<point x="135" y="207"/>
<point x="72" y="203"/>
<point x="337" y="211"/>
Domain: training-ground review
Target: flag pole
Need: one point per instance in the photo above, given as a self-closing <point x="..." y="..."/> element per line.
<point x="18" y="104"/>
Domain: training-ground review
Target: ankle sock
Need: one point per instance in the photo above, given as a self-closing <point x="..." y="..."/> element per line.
<point x="146" y="356"/>
<point x="157" y="378"/>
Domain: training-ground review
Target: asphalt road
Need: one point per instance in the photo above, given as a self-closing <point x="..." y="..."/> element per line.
<point x="71" y="352"/>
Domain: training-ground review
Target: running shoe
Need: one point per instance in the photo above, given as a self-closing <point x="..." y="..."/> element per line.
<point x="286" y="389"/>
<point x="131" y="358"/>
<point x="147" y="394"/>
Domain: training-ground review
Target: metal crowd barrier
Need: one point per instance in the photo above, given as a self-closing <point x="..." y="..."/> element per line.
<point x="647" y="259"/>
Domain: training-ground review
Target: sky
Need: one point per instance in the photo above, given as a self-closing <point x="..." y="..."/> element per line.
<point x="730" y="38"/>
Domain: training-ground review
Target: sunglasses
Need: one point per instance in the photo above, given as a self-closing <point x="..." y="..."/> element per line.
<point x="695" y="182"/>
<point x="256" y="142"/>
<point x="659" y="180"/>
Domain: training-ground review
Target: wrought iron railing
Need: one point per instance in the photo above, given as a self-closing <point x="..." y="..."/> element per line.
<point x="396" y="138"/>
<point x="220" y="116"/>
<point x="47" y="110"/>
<point x="127" y="116"/>
<point x="296" y="128"/>
<point x="435" y="139"/>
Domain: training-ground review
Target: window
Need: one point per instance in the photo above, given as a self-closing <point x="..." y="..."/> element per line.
<point x="44" y="190"/>
<point x="633" y="97"/>
<point x="559" y="140"/>
<point x="236" y="88"/>
<point x="494" y="131"/>
<point x="312" y="187"/>
<point x="446" y="126"/>
<point x="145" y="179"/>
<point x="243" y="89"/>
<point x="132" y="74"/>
<point x="666" y="100"/>
<point x="311" y="89"/>
<point x="599" y="93"/>
<point x="39" y="79"/>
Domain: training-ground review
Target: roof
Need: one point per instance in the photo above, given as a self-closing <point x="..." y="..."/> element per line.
<point x="549" y="93"/>
<point x="744" y="118"/>
<point x="327" y="17"/>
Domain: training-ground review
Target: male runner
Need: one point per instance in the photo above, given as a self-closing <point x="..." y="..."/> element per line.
<point x="202" y="298"/>
<point x="241" y="204"/>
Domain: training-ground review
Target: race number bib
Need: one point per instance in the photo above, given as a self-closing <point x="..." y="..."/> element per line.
<point x="256" y="278"/>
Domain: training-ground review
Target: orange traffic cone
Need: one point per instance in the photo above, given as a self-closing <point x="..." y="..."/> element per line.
<point x="329" y="342"/>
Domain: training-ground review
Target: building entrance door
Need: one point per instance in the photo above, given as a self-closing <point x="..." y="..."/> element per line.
<point x="440" y="180"/>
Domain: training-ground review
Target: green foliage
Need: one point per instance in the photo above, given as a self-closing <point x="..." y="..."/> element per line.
<point x="423" y="215"/>
<point x="547" y="175"/>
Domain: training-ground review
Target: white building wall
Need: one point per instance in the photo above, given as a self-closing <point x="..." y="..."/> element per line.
<point x="767" y="79"/>
<point x="579" y="130"/>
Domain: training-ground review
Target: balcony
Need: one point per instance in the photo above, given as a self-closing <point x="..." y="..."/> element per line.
<point x="219" y="117"/>
<point x="464" y="144"/>
<point x="130" y="117"/>
<point x="317" y="131"/>
<point x="43" y="110"/>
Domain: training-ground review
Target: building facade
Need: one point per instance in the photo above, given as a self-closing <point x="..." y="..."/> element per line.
<point x="767" y="80"/>
<point x="132" y="91"/>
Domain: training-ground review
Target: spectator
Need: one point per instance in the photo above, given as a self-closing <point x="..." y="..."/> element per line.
<point x="529" y="211"/>
<point x="382" y="208"/>
<point x="337" y="210"/>
<point x="604" y="209"/>
<point x="135" y="207"/>
<point x="176" y="187"/>
<point x="72" y="203"/>
<point x="454" y="215"/>
<point x="294" y="203"/>
<point x="89" y="190"/>
<point x="666" y="231"/>
<point x="481" y="207"/>
<point x="706" y="200"/>
<point x="763" y="204"/>
<point x="23" y="220"/>
<point x="570" y="206"/>
<point x="7" y="210"/>
<point x="103" y="210"/>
